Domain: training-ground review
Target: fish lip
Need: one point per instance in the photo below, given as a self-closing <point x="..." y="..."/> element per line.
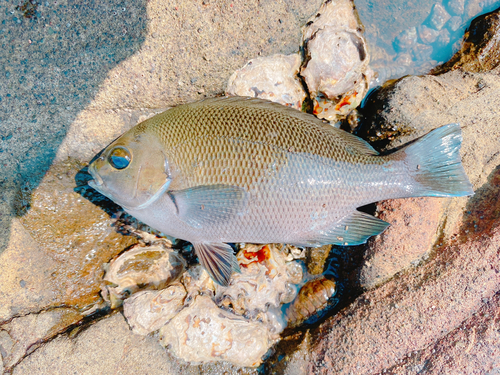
<point x="97" y="182"/>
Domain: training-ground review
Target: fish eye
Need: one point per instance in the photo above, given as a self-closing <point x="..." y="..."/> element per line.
<point x="119" y="158"/>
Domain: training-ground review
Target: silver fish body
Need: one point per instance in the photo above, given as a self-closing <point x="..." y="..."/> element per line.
<point x="246" y="170"/>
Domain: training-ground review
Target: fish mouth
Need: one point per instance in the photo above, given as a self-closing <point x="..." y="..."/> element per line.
<point x="97" y="183"/>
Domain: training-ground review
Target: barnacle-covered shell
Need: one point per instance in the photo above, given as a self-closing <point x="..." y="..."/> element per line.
<point x="265" y="281"/>
<point x="196" y="280"/>
<point x="313" y="297"/>
<point x="336" y="67"/>
<point x="273" y="78"/>
<point x="203" y="332"/>
<point x="149" y="310"/>
<point x="142" y="267"/>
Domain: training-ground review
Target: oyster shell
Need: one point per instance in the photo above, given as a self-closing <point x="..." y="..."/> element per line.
<point x="142" y="267"/>
<point x="336" y="67"/>
<point x="196" y="280"/>
<point x="149" y="310"/>
<point x="312" y="299"/>
<point x="203" y="332"/>
<point x="266" y="281"/>
<point x="273" y="78"/>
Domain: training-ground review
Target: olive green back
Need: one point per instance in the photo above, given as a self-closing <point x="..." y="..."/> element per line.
<point x="238" y="141"/>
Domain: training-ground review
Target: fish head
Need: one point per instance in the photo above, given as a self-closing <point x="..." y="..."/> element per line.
<point x="132" y="171"/>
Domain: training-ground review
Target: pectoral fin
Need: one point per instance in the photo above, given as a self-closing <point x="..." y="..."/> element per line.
<point x="218" y="259"/>
<point x="202" y="206"/>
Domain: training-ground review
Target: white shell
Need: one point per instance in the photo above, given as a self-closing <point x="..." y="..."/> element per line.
<point x="149" y="310"/>
<point x="197" y="281"/>
<point x="264" y="281"/>
<point x="336" y="68"/>
<point x="273" y="78"/>
<point x="145" y="267"/>
<point x="203" y="332"/>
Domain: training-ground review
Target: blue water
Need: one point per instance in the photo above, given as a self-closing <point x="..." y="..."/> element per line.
<point x="412" y="37"/>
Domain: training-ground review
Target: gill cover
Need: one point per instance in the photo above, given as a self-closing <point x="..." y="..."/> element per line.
<point x="132" y="171"/>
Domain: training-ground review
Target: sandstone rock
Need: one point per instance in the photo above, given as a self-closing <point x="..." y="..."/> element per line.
<point x="406" y="242"/>
<point x="24" y="335"/>
<point x="58" y="246"/>
<point x="417" y="310"/>
<point x="105" y="347"/>
<point x="472" y="347"/>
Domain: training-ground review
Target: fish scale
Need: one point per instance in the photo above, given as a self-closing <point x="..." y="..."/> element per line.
<point x="247" y="170"/>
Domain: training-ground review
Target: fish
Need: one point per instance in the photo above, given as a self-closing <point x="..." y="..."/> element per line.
<point x="236" y="169"/>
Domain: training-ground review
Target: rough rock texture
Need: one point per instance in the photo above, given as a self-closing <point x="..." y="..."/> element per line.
<point x="410" y="318"/>
<point x="473" y="347"/>
<point x="414" y="311"/>
<point x="108" y="345"/>
<point x="23" y="335"/>
<point x="406" y="242"/>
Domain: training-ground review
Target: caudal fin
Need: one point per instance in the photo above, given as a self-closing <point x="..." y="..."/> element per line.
<point x="435" y="164"/>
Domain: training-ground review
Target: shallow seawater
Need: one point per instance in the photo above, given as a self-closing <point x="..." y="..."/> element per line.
<point x="412" y="37"/>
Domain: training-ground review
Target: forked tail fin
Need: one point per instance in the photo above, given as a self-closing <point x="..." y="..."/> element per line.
<point x="435" y="164"/>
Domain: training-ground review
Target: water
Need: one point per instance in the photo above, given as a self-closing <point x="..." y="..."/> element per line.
<point x="412" y="37"/>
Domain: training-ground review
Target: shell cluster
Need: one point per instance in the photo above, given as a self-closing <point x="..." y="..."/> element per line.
<point x="198" y="320"/>
<point x="333" y="68"/>
<point x="142" y="267"/>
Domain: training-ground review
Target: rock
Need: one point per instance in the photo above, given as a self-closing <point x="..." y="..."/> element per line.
<point x="57" y="247"/>
<point x="456" y="7"/>
<point x="472" y="347"/>
<point x="438" y="17"/>
<point x="427" y="35"/>
<point x="22" y="336"/>
<point x="407" y="242"/>
<point x="406" y="40"/>
<point x="407" y="318"/>
<point x="273" y="78"/>
<point x="480" y="51"/>
<point x="107" y="343"/>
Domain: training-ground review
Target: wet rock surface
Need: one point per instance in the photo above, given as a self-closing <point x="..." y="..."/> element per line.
<point x="55" y="254"/>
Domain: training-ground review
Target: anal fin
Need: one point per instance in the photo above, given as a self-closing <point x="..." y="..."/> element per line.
<point x="218" y="259"/>
<point x="354" y="229"/>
